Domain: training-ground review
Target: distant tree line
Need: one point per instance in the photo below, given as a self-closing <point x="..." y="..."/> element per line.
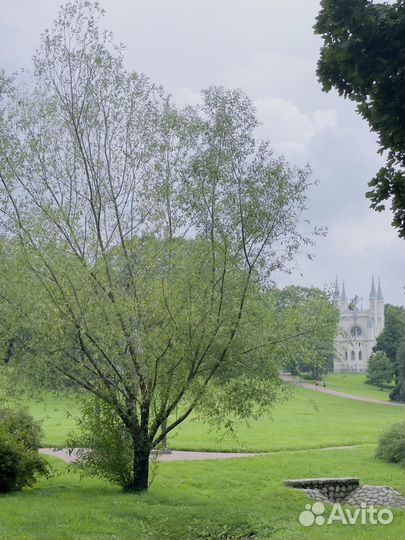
<point x="387" y="362"/>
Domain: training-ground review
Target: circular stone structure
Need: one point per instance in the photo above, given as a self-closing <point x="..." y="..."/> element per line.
<point x="347" y="491"/>
<point x="376" y="496"/>
<point x="325" y="489"/>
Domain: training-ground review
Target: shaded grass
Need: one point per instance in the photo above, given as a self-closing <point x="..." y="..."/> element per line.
<point x="209" y="499"/>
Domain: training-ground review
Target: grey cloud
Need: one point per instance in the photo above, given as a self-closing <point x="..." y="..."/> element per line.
<point x="269" y="50"/>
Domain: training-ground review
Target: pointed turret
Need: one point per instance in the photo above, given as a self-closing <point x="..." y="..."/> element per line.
<point x="379" y="292"/>
<point x="380" y="309"/>
<point x="336" y="292"/>
<point x="373" y="294"/>
<point x="373" y="309"/>
<point x="344" y="297"/>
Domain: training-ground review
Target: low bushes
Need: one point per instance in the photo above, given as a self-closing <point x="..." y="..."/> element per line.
<point x="22" y="426"/>
<point x="20" y="463"/>
<point x="391" y="445"/>
<point x="398" y="392"/>
<point x="105" y="449"/>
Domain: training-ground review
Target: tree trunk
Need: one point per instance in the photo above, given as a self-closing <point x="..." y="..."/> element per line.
<point x="140" y="472"/>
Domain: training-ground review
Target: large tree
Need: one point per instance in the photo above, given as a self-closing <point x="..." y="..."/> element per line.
<point x="309" y="313"/>
<point x="363" y="58"/>
<point x="391" y="341"/>
<point x="393" y="334"/>
<point x="150" y="232"/>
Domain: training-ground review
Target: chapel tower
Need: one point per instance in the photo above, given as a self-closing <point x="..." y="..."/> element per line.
<point x="358" y="328"/>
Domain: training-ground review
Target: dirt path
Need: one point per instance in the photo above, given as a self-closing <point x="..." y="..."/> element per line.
<point x="348" y="396"/>
<point x="182" y="455"/>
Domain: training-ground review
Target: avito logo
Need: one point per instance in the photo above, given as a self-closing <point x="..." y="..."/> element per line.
<point x="315" y="514"/>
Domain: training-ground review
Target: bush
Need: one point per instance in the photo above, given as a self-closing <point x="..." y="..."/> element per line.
<point x="105" y="447"/>
<point x="306" y="376"/>
<point x="398" y="392"/>
<point x="19" y="465"/>
<point x="391" y="446"/>
<point x="20" y="424"/>
<point x="380" y="369"/>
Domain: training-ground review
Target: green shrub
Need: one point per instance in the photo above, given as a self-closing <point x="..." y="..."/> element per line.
<point x="391" y="445"/>
<point x="306" y="375"/>
<point x="398" y="392"/>
<point x="380" y="369"/>
<point x="19" y="465"/>
<point x="105" y="449"/>
<point x="20" y="424"/>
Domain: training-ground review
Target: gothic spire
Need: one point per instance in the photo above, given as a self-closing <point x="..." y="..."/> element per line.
<point x="344" y="298"/>
<point x="336" y="294"/>
<point x="379" y="292"/>
<point x="372" y="291"/>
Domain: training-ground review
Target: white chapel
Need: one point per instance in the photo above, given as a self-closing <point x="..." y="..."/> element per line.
<point x="358" y="329"/>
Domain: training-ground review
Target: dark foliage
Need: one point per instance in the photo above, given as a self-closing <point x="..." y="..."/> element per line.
<point x="380" y="370"/>
<point x="392" y="342"/>
<point x="20" y="463"/>
<point x="20" y="424"/>
<point x="363" y="58"/>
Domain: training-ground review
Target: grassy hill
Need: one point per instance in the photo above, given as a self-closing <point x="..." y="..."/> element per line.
<point x="308" y="419"/>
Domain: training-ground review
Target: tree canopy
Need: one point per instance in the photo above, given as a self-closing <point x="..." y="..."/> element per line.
<point x="393" y="334"/>
<point x="309" y="313"/>
<point x="149" y="232"/>
<point x="391" y="341"/>
<point x="363" y="58"/>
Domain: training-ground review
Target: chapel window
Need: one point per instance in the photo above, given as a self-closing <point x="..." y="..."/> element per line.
<point x="356" y="331"/>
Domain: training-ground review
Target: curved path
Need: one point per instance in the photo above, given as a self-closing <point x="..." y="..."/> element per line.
<point x="174" y="455"/>
<point x="183" y="455"/>
<point x="348" y="396"/>
<point x="310" y="386"/>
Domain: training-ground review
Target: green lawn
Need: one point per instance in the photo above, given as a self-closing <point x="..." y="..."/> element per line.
<point x="205" y="500"/>
<point x="57" y="415"/>
<point x="307" y="420"/>
<point x="354" y="383"/>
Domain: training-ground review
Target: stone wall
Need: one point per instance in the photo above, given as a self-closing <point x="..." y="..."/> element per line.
<point x="333" y="489"/>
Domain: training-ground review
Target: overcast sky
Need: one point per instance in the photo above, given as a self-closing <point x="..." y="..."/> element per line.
<point x="267" y="48"/>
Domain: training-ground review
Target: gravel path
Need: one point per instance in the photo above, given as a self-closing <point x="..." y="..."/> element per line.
<point x="183" y="455"/>
<point x="294" y="380"/>
<point x="175" y="455"/>
<point x="348" y="396"/>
